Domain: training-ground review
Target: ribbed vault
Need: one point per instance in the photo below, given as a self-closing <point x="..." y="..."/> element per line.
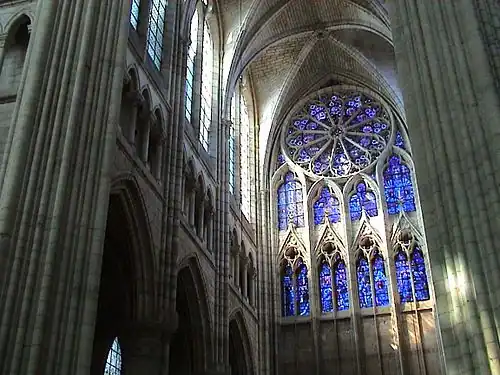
<point x="289" y="47"/>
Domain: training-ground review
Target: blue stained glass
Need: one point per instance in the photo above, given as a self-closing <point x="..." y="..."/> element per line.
<point x="326" y="203"/>
<point x="341" y="290"/>
<point x="364" y="284"/>
<point x="419" y="275"/>
<point x="303" y="291"/>
<point x="288" y="292"/>
<point x="290" y="207"/>
<point x="325" y="286"/>
<point x="280" y="160"/>
<point x="399" y="142"/>
<point x="399" y="193"/>
<point x="380" y="280"/>
<point x="363" y="199"/>
<point x="403" y="277"/>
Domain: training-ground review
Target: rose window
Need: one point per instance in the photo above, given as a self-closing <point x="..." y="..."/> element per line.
<point x="338" y="134"/>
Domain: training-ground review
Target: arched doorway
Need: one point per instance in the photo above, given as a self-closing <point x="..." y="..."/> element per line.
<point x="125" y="275"/>
<point x="240" y="362"/>
<point x="115" y="291"/>
<point x="188" y="346"/>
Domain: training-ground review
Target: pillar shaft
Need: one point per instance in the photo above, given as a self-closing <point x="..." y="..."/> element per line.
<point x="452" y="108"/>
<point x="55" y="192"/>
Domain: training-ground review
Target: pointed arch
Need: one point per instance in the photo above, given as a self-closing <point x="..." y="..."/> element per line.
<point x="419" y="275"/>
<point x="194" y="314"/>
<point x="398" y="186"/>
<point x="380" y="281"/>
<point x="290" y="202"/>
<point x="362" y="199"/>
<point x="240" y="346"/>
<point x="15" y="52"/>
<point x="127" y="202"/>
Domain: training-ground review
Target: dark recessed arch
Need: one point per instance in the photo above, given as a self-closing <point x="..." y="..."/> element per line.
<point x="240" y="349"/>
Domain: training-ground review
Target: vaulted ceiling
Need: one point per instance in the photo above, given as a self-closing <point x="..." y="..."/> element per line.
<point x="288" y="48"/>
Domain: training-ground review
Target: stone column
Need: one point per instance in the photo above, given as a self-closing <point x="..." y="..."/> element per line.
<point x="201" y="219"/>
<point x="237" y="274"/>
<point x="146" y="120"/>
<point x="137" y="100"/>
<point x="55" y="191"/>
<point x="244" y="264"/>
<point x="144" y="346"/>
<point x="453" y="112"/>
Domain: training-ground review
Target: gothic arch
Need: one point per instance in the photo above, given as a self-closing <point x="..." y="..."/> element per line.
<point x="127" y="281"/>
<point x="127" y="192"/>
<point x="192" y="338"/>
<point x="15" y="21"/>
<point x="240" y="347"/>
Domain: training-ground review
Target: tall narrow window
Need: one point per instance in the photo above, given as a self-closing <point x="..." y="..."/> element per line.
<point x="419" y="275"/>
<point x="363" y="199"/>
<point x="326" y="205"/>
<point x="302" y="291"/>
<point x="334" y="292"/>
<point x="403" y="277"/>
<point x="134" y="13"/>
<point x="288" y="291"/>
<point x="232" y="147"/>
<point x="380" y="281"/>
<point x="244" y="157"/>
<point x="191" y="57"/>
<point x="341" y="289"/>
<point x="325" y="287"/>
<point x="364" y="283"/>
<point x="114" y="360"/>
<point x="290" y="204"/>
<point x="206" y="88"/>
<point x="398" y="187"/>
<point x="155" y="30"/>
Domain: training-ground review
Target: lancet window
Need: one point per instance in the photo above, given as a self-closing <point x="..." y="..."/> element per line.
<point x="191" y="58"/>
<point x="326" y="206"/>
<point x="398" y="186"/>
<point x="363" y="199"/>
<point x="411" y="276"/>
<point x="290" y="203"/>
<point x="372" y="281"/>
<point x="114" y="360"/>
<point x="206" y="88"/>
<point x="295" y="290"/>
<point x="155" y="30"/>
<point x="134" y="13"/>
<point x="334" y="292"/>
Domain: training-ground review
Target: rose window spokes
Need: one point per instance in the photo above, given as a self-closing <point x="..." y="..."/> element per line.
<point x="338" y="134"/>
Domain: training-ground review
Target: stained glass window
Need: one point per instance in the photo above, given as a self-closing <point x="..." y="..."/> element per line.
<point x="191" y="56"/>
<point x="398" y="187"/>
<point x="280" y="160"/>
<point x="325" y="287"/>
<point x="302" y="291"/>
<point x="134" y="13"/>
<point x="290" y="208"/>
<point x="326" y="203"/>
<point x="155" y="30"/>
<point x="399" y="141"/>
<point x="364" y="283"/>
<point x="338" y="134"/>
<point x="206" y="87"/>
<point x="403" y="277"/>
<point x="341" y="290"/>
<point x="380" y="281"/>
<point x="419" y="275"/>
<point x="362" y="199"/>
<point x="114" y="360"/>
<point x="288" y="291"/>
